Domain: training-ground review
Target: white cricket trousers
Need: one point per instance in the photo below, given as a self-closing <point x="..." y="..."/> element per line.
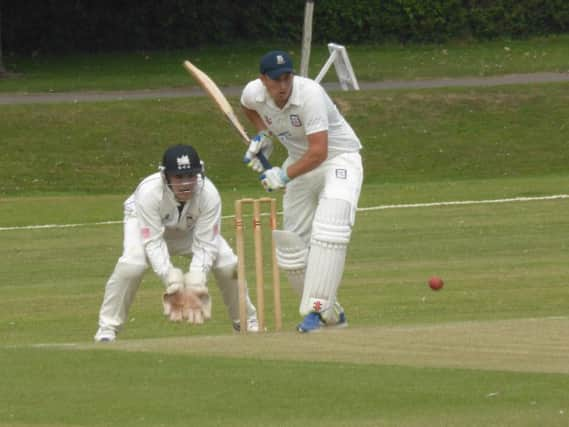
<point x="133" y="263"/>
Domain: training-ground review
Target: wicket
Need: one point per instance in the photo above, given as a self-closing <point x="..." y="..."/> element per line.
<point x="259" y="270"/>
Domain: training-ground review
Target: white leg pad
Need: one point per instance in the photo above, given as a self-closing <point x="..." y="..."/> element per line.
<point x="119" y="295"/>
<point x="226" y="279"/>
<point x="291" y="250"/>
<point x="296" y="280"/>
<point x="291" y="257"/>
<point x="331" y="233"/>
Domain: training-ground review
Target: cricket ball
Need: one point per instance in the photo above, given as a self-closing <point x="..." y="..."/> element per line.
<point x="436" y="283"/>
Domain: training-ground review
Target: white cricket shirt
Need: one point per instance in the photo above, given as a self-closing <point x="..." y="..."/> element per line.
<point x="308" y="110"/>
<point x="158" y="214"/>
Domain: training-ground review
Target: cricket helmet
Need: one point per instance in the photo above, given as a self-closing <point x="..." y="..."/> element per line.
<point x="181" y="160"/>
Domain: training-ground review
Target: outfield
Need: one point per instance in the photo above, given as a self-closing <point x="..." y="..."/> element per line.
<point x="490" y="349"/>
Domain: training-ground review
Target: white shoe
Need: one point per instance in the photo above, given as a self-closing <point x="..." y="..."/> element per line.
<point x="252" y="325"/>
<point x="105" y="335"/>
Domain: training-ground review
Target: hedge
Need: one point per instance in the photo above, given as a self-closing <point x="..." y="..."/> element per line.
<point x="89" y="25"/>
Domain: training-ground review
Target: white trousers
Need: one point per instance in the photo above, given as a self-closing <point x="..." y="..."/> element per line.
<point x="338" y="178"/>
<point x="332" y="190"/>
<point x="123" y="284"/>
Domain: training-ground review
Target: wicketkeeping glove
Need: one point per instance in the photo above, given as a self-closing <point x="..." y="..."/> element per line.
<point x="196" y="280"/>
<point x="274" y="179"/>
<point x="174" y="284"/>
<point x="261" y="143"/>
<point x="183" y="303"/>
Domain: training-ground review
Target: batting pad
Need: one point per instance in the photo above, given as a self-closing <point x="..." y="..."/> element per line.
<point x="291" y="250"/>
<point x="331" y="231"/>
<point x="291" y="257"/>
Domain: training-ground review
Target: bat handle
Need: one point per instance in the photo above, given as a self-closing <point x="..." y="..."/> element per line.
<point x="266" y="164"/>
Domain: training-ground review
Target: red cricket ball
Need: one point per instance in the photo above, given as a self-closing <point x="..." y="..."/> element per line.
<point x="436" y="283"/>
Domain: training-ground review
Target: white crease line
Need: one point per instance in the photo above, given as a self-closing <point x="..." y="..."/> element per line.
<point x="466" y="202"/>
<point x="35" y="227"/>
<point x="372" y="208"/>
<point x="394" y="328"/>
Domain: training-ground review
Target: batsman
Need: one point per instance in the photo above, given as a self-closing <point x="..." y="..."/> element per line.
<point x="176" y="211"/>
<point x="322" y="174"/>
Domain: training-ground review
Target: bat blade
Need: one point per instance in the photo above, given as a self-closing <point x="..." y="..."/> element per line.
<point x="209" y="86"/>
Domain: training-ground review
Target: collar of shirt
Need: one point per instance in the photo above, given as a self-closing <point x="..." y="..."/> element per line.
<point x="294" y="98"/>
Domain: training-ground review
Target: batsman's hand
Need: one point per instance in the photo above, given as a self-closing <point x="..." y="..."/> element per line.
<point x="261" y="143"/>
<point x="274" y="179"/>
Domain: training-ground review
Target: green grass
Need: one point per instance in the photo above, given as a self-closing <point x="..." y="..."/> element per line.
<point x="408" y="136"/>
<point x="170" y="390"/>
<point x="501" y="262"/>
<point x="235" y="64"/>
<point x="490" y="349"/>
<point x="485" y="252"/>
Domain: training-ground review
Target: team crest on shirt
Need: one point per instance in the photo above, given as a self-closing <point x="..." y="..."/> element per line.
<point x="341" y="173"/>
<point x="295" y="120"/>
<point x="268" y="120"/>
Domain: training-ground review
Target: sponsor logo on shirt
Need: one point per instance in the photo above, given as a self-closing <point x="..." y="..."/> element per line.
<point x="295" y="120"/>
<point x="341" y="173"/>
<point x="268" y="120"/>
<point x="145" y="232"/>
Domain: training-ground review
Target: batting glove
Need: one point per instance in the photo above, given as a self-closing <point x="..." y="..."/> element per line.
<point x="274" y="179"/>
<point x="261" y="143"/>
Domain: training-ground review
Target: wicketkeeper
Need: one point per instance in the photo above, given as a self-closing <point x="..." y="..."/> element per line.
<point x="322" y="175"/>
<point x="176" y="211"/>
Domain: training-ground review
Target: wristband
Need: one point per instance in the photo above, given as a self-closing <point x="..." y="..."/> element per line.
<point x="284" y="176"/>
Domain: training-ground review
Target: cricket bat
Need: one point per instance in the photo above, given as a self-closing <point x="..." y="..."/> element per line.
<point x="209" y="86"/>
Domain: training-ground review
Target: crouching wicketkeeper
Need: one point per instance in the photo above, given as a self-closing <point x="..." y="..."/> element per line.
<point x="176" y="211"/>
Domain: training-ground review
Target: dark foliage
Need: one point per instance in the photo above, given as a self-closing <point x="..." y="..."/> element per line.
<point x="89" y="25"/>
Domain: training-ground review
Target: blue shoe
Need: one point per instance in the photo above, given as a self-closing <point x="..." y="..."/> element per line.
<point x="311" y="323"/>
